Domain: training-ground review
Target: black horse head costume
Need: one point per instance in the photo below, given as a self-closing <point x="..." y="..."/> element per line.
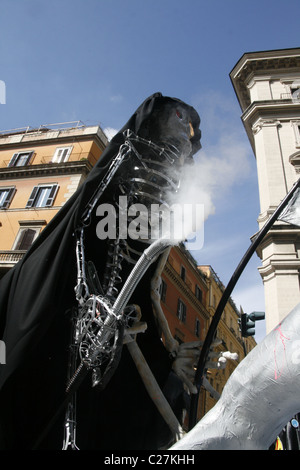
<point x="58" y="304"/>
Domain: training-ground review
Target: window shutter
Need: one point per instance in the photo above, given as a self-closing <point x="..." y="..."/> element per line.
<point x="13" y="159"/>
<point x="8" y="199"/>
<point x="52" y="195"/>
<point x="197" y="327"/>
<point x="18" y="158"/>
<point x="183" y="319"/>
<point x="61" y="154"/>
<point x="181" y="311"/>
<point x="65" y="154"/>
<point x="26" y="239"/>
<point x="198" y="293"/>
<point x="163" y="290"/>
<point x="178" y="308"/>
<point x="29" y="158"/>
<point x="56" y="156"/>
<point x="32" y="197"/>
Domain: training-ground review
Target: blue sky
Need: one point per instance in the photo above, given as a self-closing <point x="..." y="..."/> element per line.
<point x="97" y="60"/>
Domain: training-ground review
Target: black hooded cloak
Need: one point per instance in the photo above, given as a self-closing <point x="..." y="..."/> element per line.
<point x="36" y="302"/>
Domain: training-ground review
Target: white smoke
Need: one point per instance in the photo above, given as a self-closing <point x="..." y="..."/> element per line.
<point x="195" y="202"/>
<point x="210" y="179"/>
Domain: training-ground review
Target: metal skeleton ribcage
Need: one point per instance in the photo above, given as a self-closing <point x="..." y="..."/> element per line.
<point x="145" y="181"/>
<point x="98" y="327"/>
<point x="146" y="173"/>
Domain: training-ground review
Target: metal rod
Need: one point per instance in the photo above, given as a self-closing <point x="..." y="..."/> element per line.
<point x="154" y="390"/>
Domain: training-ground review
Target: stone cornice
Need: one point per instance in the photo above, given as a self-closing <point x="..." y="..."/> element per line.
<point x="279" y="232"/>
<point x="265" y="61"/>
<point x="258" y="63"/>
<point x="284" y="267"/>
<point x="275" y="108"/>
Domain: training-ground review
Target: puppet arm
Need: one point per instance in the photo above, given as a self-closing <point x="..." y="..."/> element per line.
<point x="259" y="398"/>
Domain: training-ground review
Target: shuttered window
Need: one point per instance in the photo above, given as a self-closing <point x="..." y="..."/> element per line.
<point x="181" y="311"/>
<point x="42" y="196"/>
<point x="21" y="158"/>
<point x="61" y="154"/>
<point x="6" y="195"/>
<point x="197" y="327"/>
<point x="25" y="239"/>
<point x="198" y="293"/>
<point x="163" y="290"/>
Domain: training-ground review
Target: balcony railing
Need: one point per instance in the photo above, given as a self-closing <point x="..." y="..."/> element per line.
<point x="11" y="256"/>
<point x="46" y="159"/>
<point x="285" y="96"/>
<point x="45" y="128"/>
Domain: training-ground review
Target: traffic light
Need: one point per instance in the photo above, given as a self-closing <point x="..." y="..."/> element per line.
<point x="248" y="322"/>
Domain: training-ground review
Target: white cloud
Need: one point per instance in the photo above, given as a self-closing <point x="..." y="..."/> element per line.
<point x="116" y="98"/>
<point x="251" y="296"/>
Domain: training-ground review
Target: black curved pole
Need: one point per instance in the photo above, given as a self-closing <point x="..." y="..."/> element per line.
<point x="224" y="299"/>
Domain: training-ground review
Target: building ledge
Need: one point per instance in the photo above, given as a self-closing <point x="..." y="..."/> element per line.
<point x="281" y="233"/>
<point x="275" y="106"/>
<point x="53" y="132"/>
<point x="29" y="171"/>
<point x="279" y="267"/>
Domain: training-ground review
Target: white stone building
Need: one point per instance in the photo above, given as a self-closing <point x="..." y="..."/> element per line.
<point x="267" y="85"/>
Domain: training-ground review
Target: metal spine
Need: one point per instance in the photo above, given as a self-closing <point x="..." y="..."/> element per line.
<point x="97" y="328"/>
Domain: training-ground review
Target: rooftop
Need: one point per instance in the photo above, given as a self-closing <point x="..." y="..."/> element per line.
<point x="51" y="131"/>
